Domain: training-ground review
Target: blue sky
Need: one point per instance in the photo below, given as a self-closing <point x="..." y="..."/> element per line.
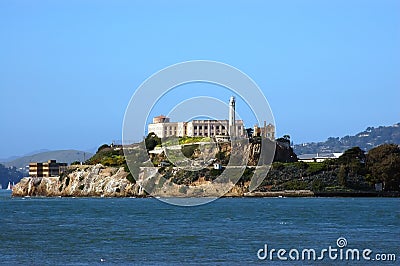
<point x="69" y="68"/>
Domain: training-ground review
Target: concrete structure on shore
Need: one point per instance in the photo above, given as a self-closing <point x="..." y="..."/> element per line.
<point x="50" y="168"/>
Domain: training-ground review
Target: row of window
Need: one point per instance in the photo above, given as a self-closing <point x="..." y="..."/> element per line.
<point x="212" y="127"/>
<point x="206" y="127"/>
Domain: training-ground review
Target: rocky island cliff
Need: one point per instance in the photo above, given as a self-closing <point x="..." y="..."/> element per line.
<point x="102" y="181"/>
<point x="80" y="181"/>
<point x="106" y="175"/>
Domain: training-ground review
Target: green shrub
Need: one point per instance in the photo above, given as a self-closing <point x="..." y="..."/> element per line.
<point x="188" y="150"/>
<point x="102" y="147"/>
<point x="130" y="178"/>
<point x="151" y="141"/>
<point x="295" y="185"/>
<point x="278" y="166"/>
<point x="187" y="140"/>
<point x="215" y="172"/>
<point x="314" y="168"/>
<point x="246" y="176"/>
<point x="113" y="160"/>
<point x="301" y="165"/>
<point x="317" y="185"/>
<point x="161" y="170"/>
<point x="220" y="156"/>
<point x="108" y="156"/>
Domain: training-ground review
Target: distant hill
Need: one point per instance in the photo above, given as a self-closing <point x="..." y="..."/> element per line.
<point x="12" y="158"/>
<point x="9" y="175"/>
<point x="64" y="156"/>
<point x="366" y="140"/>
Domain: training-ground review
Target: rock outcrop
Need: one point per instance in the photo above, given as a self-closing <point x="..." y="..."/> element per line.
<point x="80" y="181"/>
<point x="172" y="181"/>
<point x="101" y="181"/>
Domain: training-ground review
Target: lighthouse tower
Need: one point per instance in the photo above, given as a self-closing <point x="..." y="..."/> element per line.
<point x="232" y="119"/>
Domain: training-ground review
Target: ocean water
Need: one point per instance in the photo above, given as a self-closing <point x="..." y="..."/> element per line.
<point x="228" y="231"/>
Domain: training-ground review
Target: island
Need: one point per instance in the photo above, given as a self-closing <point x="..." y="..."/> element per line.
<point x="107" y="174"/>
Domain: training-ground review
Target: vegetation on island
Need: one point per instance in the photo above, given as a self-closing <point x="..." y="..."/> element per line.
<point x="152" y="141"/>
<point x="108" y="156"/>
<point x="355" y="170"/>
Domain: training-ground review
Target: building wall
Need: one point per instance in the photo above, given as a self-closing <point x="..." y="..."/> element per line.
<point x="50" y="168"/>
<point x="267" y="131"/>
<point x="207" y="128"/>
<point x="164" y="130"/>
<point x="195" y="128"/>
<point x="35" y="169"/>
<point x="160" y="119"/>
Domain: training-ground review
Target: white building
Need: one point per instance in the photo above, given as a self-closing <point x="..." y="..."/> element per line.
<point x="163" y="127"/>
<point x="318" y="157"/>
<point x="195" y="128"/>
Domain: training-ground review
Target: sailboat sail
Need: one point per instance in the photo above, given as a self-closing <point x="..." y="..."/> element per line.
<point x="9" y="186"/>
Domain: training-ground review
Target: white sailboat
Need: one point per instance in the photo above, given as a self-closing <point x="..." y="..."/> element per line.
<point x="9" y="186"/>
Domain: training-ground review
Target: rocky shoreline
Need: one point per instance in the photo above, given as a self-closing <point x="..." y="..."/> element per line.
<point x="100" y="181"/>
<point x="82" y="181"/>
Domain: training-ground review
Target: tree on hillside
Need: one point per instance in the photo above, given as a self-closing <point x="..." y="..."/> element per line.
<point x="284" y="139"/>
<point x="353" y="161"/>
<point x="383" y="162"/>
<point x="151" y="141"/>
<point x="342" y="176"/>
<point x="351" y="155"/>
<point x="249" y="132"/>
<point x="103" y="147"/>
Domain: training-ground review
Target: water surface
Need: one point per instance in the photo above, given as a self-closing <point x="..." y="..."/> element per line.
<point x="228" y="231"/>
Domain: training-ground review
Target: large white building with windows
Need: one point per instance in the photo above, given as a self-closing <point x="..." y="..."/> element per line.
<point x="220" y="129"/>
<point x="163" y="127"/>
<point x="194" y="128"/>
